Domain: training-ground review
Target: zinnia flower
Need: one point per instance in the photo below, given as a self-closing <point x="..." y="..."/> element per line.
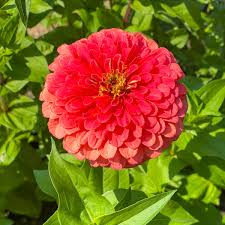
<point x="114" y="98"/>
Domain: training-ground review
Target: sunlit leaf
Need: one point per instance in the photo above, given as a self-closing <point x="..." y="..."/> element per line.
<point x="23" y="8"/>
<point x="75" y="194"/>
<point x="141" y="212"/>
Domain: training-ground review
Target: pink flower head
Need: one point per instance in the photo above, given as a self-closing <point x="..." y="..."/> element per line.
<point x="114" y="98"/>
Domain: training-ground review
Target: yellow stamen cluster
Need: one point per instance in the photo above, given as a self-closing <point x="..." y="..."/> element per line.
<point x="113" y="83"/>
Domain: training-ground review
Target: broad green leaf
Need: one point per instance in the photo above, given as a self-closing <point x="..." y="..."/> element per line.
<point x="183" y="140"/>
<point x="213" y="95"/>
<point x="70" y="206"/>
<point x="206" y="214"/>
<point x="23" y="8"/>
<point x="94" y="177"/>
<point x="44" y="182"/>
<point x="151" y="182"/>
<point x="206" y="144"/>
<point x="173" y="214"/>
<point x="180" y="41"/>
<point x="115" y="196"/>
<point x="121" y="198"/>
<point x="21" y="114"/>
<point x="71" y="159"/>
<point x="8" y="30"/>
<point x="189" y="12"/>
<point x="53" y="220"/>
<point x="16" y="85"/>
<point x="194" y="103"/>
<point x="143" y="16"/>
<point x="28" y="64"/>
<point x="168" y="9"/>
<point x="76" y="195"/>
<point x="95" y="204"/>
<point x="165" y="18"/>
<point x="166" y="166"/>
<point x="5" y="55"/>
<point x="39" y="6"/>
<point x="141" y="212"/>
<point x="198" y="187"/>
<point x="90" y="20"/>
<point x="113" y="179"/>
<point x="213" y="169"/>
<point x="9" y="149"/>
<point x="44" y="47"/>
<point x="179" y="38"/>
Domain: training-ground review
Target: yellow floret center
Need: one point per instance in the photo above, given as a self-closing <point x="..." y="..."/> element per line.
<point x="113" y="83"/>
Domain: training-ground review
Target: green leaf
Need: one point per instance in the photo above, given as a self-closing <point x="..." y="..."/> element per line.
<point x="90" y="19"/>
<point x="184" y="140"/>
<point x="168" y="9"/>
<point x="206" y="144"/>
<point x="113" y="179"/>
<point x="28" y="64"/>
<point x="78" y="202"/>
<point x="70" y="205"/>
<point x="16" y="85"/>
<point x="5" y="55"/>
<point x="8" y="30"/>
<point x="9" y="149"/>
<point x="206" y="214"/>
<point x="143" y="16"/>
<point x="23" y="8"/>
<point x="213" y="169"/>
<point x="44" y="47"/>
<point x="173" y="214"/>
<point x="39" y="6"/>
<point x="194" y="103"/>
<point x="199" y="188"/>
<point x="166" y="166"/>
<point x="121" y="198"/>
<point x="151" y="182"/>
<point x="53" y="220"/>
<point x="213" y="95"/>
<point x="21" y="114"/>
<point x="2" y="2"/>
<point x="140" y="213"/>
<point x="44" y="182"/>
<point x="189" y="13"/>
<point x="179" y="38"/>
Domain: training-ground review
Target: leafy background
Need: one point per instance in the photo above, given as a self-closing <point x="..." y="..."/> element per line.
<point x="36" y="185"/>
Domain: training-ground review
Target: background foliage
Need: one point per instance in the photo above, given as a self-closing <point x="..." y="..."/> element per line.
<point x="30" y="32"/>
